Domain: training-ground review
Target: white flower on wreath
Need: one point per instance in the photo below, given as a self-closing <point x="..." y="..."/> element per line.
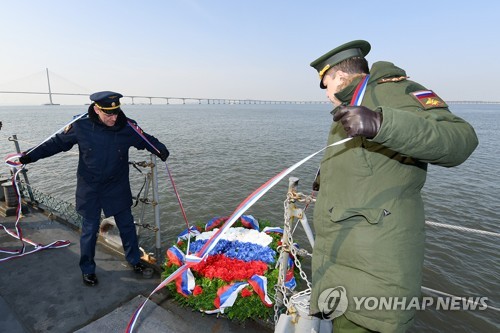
<point x="240" y="234"/>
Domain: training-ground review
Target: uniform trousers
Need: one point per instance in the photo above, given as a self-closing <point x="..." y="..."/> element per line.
<point x="90" y="229"/>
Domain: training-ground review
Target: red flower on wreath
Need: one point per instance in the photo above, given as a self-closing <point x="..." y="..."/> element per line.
<point x="197" y="290"/>
<point x="227" y="269"/>
<point x="246" y="293"/>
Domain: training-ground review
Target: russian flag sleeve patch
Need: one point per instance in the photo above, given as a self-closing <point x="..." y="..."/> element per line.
<point x="428" y="99"/>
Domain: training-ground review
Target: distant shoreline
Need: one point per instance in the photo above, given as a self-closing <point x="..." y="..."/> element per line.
<point x="252" y="102"/>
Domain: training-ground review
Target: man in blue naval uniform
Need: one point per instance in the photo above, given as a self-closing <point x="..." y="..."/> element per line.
<point x="104" y="139"/>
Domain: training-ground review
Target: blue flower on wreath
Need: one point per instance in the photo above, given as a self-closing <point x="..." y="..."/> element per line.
<point x="238" y="250"/>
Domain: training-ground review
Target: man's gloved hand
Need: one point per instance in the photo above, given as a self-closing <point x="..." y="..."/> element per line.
<point x="164" y="154"/>
<point x="315" y="186"/>
<point x="25" y="159"/>
<point x="359" y="120"/>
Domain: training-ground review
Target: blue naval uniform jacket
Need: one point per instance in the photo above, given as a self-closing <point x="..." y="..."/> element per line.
<point x="103" y="169"/>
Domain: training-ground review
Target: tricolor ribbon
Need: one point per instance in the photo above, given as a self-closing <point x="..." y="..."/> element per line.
<point x="259" y="284"/>
<point x="290" y="281"/>
<point x="226" y="295"/>
<point x="140" y="132"/>
<point x="187" y="233"/>
<point x="12" y="160"/>
<point x="18" y="234"/>
<point x="175" y="255"/>
<point x="250" y="222"/>
<point x="9" y="159"/>
<point x="277" y="230"/>
<point x="185" y="283"/>
<point x="215" y="222"/>
<point x="191" y="260"/>
<point x="242" y="207"/>
<point x="359" y="92"/>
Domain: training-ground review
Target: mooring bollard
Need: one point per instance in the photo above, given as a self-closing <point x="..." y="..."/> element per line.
<point x="2" y="181"/>
<point x="9" y="194"/>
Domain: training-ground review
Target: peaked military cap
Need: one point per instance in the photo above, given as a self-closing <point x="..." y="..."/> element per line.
<point x="107" y="100"/>
<point x="356" y="48"/>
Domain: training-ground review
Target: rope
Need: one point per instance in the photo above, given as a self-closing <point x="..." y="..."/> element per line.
<point x="464" y="229"/>
<point x="448" y="226"/>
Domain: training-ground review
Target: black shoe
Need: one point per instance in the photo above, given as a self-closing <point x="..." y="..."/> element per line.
<point x="139" y="267"/>
<point x="90" y="279"/>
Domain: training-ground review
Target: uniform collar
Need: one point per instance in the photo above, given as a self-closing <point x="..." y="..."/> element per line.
<point x="384" y="69"/>
<point x="345" y="95"/>
<point x="380" y="70"/>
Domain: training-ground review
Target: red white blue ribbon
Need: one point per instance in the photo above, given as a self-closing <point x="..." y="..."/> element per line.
<point x="175" y="255"/>
<point x="243" y="206"/>
<point x="12" y="160"/>
<point x="191" y="260"/>
<point x="290" y="282"/>
<point x="187" y="233"/>
<point x="18" y="234"/>
<point x="215" y="222"/>
<point x="268" y="230"/>
<point x="359" y="93"/>
<point x="250" y="222"/>
<point x="259" y="284"/>
<point x="185" y="283"/>
<point x="140" y="132"/>
<point x="226" y="295"/>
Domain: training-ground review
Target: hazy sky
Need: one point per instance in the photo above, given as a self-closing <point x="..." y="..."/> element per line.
<point x="255" y="49"/>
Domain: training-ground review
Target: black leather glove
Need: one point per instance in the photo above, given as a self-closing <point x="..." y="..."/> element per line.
<point x="359" y="120"/>
<point x="164" y="154"/>
<point x="25" y="159"/>
<point x="315" y="186"/>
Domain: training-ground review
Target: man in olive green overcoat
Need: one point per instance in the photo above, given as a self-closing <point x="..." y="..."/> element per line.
<point x="369" y="215"/>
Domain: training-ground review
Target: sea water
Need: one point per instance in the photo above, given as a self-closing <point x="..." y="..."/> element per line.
<point x="221" y="153"/>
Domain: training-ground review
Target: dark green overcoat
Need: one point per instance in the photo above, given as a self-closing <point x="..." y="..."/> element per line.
<point x="369" y="216"/>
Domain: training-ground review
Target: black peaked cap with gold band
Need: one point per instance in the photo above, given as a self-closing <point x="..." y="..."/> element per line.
<point x="107" y="100"/>
<point x="356" y="48"/>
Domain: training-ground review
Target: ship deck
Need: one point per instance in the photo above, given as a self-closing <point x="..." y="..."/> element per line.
<point x="44" y="292"/>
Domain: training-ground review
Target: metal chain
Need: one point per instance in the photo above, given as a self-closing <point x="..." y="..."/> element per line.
<point x="280" y="288"/>
<point x="293" y="251"/>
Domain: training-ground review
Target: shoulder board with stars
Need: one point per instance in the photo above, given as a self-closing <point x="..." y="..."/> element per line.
<point x="67" y="128"/>
<point x="428" y="99"/>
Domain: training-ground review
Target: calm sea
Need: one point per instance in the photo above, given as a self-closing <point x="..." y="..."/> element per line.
<point x="222" y="153"/>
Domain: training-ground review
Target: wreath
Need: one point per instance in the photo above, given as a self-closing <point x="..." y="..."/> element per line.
<point x="238" y="276"/>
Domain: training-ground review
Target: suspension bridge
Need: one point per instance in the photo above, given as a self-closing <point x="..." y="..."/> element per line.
<point x="140" y="99"/>
<point x="72" y="98"/>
